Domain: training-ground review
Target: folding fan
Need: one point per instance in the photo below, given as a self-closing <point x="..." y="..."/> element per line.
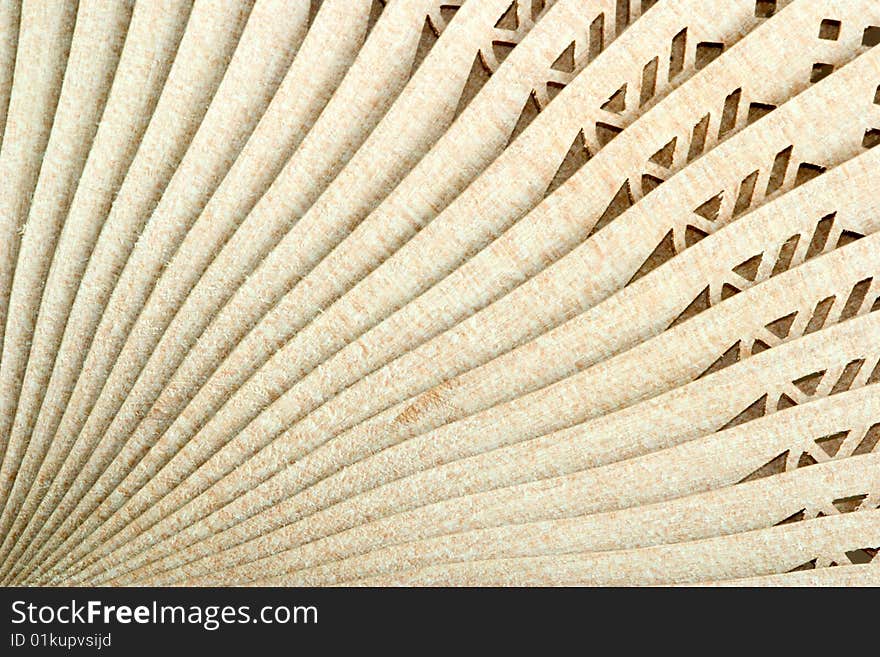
<point x="474" y="292"/>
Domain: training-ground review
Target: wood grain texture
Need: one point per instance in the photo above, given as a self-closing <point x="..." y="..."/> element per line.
<point x="439" y="292"/>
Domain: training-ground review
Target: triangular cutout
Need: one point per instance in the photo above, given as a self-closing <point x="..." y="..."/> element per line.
<point x="785" y="402"/>
<point x="754" y="410"/>
<point x="664" y="251"/>
<point x="805" y="461"/>
<point x="728" y="358"/>
<point x="447" y="12"/>
<point x="809" y="384"/>
<point x="692" y="235"/>
<point x="858" y="557"/>
<point x="849" y="504"/>
<point x="621" y="202"/>
<point x="758" y="111"/>
<point x="707" y="52"/>
<point x="831" y="444"/>
<point x="509" y="20"/>
<point x="664" y="157"/>
<point x="529" y="111"/>
<point x="806" y="172"/>
<point x="577" y="156"/>
<point x="606" y="132"/>
<point x="847" y="237"/>
<point x="758" y="346"/>
<point x="809" y="565"/>
<point x="710" y="209"/>
<point x="617" y="102"/>
<point x="478" y="76"/>
<point x="501" y="49"/>
<point x="426" y="42"/>
<point x="565" y="61"/>
<point x="749" y="268"/>
<point x="782" y="327"/>
<point x="650" y="183"/>
<point x="794" y="517"/>
<point x="695" y="307"/>
<point x="728" y="290"/>
<point x="774" y="467"/>
<point x="553" y="89"/>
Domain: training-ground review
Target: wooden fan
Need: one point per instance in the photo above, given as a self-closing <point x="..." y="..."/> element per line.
<point x="470" y="292"/>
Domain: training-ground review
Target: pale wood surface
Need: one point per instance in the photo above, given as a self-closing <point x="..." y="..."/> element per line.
<point x="467" y="292"/>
